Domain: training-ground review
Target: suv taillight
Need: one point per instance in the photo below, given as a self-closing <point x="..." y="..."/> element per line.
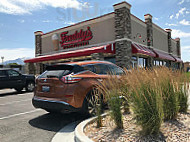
<point x="70" y="79"/>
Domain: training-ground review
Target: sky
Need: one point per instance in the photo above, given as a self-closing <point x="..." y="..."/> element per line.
<point x="19" y="19"/>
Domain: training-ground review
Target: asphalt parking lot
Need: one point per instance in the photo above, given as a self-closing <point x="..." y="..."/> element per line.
<point x="21" y="122"/>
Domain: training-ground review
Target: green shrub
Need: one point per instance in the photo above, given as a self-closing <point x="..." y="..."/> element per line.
<point x="183" y="99"/>
<point x="115" y="107"/>
<point x="170" y="100"/>
<point x="146" y="104"/>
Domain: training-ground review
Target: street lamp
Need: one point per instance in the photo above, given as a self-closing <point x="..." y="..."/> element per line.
<point x="2" y="59"/>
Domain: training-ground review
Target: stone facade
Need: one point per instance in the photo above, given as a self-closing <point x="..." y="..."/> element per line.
<point x="169" y="41"/>
<point x="149" y="38"/>
<point x="178" y="47"/>
<point x="97" y="56"/>
<point x="123" y="34"/>
<point x="148" y="21"/>
<point x="38" y="45"/>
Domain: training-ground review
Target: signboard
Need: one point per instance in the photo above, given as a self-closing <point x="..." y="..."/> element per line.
<point x="79" y="38"/>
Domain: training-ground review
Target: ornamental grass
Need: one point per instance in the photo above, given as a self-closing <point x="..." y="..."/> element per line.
<point x="152" y="95"/>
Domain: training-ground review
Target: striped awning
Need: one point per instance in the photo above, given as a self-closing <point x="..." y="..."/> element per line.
<point x="139" y="49"/>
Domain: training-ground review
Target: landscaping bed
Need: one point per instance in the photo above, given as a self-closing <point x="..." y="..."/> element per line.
<point x="155" y="102"/>
<point x="171" y="131"/>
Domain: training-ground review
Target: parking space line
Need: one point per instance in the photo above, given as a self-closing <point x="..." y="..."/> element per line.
<point x="15" y="102"/>
<point x="14" y="115"/>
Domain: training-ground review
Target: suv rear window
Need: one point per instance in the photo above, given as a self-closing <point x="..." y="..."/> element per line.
<point x="54" y="73"/>
<point x="58" y="71"/>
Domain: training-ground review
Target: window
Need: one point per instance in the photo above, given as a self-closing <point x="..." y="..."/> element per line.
<point x="89" y="67"/>
<point x="115" y="70"/>
<point x="101" y="69"/>
<point x="134" y="61"/>
<point x="13" y="73"/>
<point x="142" y="62"/>
<point x="2" y="73"/>
<point x="97" y="68"/>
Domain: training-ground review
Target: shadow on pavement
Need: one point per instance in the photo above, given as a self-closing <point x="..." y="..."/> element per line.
<point x="55" y="121"/>
<point x="3" y="94"/>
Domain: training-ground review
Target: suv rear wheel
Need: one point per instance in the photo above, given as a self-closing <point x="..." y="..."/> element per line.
<point x="92" y="101"/>
<point x="30" y="86"/>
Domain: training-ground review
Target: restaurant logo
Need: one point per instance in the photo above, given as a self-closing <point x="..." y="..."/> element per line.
<point x="77" y="39"/>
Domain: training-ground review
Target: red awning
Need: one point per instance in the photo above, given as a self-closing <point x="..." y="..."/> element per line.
<point x="139" y="49"/>
<point x="178" y="59"/>
<point x="75" y="53"/>
<point x="163" y="55"/>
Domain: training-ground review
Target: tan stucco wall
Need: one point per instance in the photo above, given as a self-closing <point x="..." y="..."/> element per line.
<point x="160" y="39"/>
<point x="137" y="26"/>
<point x="174" y="47"/>
<point x="103" y="30"/>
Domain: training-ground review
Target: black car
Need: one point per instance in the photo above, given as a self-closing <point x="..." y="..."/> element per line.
<point x="10" y="78"/>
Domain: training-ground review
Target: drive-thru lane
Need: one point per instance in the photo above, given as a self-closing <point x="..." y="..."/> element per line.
<point x="21" y="122"/>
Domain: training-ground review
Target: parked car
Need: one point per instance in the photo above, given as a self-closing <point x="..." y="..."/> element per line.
<point x="10" y="78"/>
<point x="70" y="87"/>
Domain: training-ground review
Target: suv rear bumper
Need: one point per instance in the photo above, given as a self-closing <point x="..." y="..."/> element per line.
<point x="54" y="106"/>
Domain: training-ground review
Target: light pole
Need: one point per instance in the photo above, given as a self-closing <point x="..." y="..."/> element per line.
<point x="2" y="59"/>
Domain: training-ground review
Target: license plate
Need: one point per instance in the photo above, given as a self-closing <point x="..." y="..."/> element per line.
<point x="45" y="88"/>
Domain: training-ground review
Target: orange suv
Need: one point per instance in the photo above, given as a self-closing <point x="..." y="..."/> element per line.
<point x="68" y="87"/>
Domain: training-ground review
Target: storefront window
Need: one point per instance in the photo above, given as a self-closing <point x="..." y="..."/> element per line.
<point x="134" y="61"/>
<point x="142" y="62"/>
<point x="157" y="63"/>
<point x="164" y="63"/>
<point x="161" y="63"/>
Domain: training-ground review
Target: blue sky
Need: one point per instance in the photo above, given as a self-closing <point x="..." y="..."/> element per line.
<point x="19" y="19"/>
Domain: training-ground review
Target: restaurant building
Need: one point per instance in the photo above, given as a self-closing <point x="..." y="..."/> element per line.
<point x="118" y="37"/>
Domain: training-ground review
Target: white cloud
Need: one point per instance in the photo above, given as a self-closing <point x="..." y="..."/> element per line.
<point x="180" y="12"/>
<point x="179" y="33"/>
<point x="11" y="54"/>
<point x="21" y="21"/>
<point x="156" y="18"/>
<point x="184" y="22"/>
<point x="186" y="48"/>
<point x="181" y="2"/>
<point x="172" y="16"/>
<point x="187" y="12"/>
<point x="167" y="24"/>
<point x="69" y="23"/>
<point x="19" y="7"/>
<point x="46" y="21"/>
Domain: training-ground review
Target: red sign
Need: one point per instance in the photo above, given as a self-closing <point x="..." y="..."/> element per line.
<point x="77" y="39"/>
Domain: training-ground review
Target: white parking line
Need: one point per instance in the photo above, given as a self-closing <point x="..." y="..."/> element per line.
<point x="14" y="115"/>
<point x="15" y="102"/>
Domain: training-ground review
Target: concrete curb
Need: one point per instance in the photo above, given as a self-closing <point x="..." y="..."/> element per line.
<point x="66" y="134"/>
<point x="79" y="135"/>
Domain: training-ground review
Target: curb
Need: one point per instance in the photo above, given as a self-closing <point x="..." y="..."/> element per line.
<point x="79" y="135"/>
<point x="66" y="134"/>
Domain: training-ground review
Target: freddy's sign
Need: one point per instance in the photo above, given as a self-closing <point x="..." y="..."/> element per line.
<point x="79" y="38"/>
